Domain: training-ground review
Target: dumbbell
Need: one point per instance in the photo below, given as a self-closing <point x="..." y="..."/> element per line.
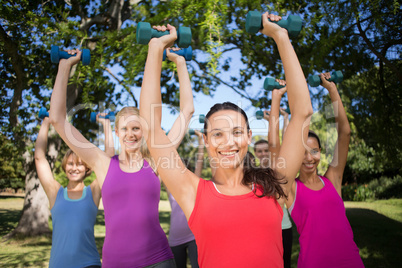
<point x="254" y="23"/>
<point x="56" y="55"/>
<point x="270" y="84"/>
<point x="315" y="80"/>
<point x="201" y="118"/>
<point x="259" y="114"/>
<point x="192" y="132"/>
<point x="145" y="32"/>
<point x="43" y="113"/>
<point x="111" y="116"/>
<point x="287" y="110"/>
<point x="187" y="53"/>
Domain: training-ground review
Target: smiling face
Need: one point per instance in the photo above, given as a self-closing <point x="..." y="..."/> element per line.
<point x="75" y="169"/>
<point x="312" y="156"/>
<point x="261" y="151"/>
<point x="227" y="138"/>
<point x="128" y="129"/>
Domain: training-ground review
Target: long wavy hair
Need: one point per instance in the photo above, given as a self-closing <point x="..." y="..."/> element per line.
<point x="131" y="110"/>
<point x="265" y="179"/>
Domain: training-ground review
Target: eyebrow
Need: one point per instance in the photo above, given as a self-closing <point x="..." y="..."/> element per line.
<point x="237" y="127"/>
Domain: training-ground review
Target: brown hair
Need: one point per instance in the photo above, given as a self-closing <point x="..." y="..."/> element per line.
<point x="265" y="178"/>
<point x="75" y="158"/>
<point x="131" y="110"/>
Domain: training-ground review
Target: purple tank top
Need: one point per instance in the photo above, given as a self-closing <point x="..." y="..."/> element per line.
<point x="134" y="237"/>
<point x="179" y="232"/>
<point x="326" y="238"/>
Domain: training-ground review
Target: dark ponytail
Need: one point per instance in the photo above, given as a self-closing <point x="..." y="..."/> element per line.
<point x="266" y="179"/>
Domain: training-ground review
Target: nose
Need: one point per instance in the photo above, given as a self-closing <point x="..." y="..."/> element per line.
<point x="308" y="156"/>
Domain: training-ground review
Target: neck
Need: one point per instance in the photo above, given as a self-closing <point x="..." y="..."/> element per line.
<point x="309" y="177"/>
<point x="129" y="157"/>
<point x="228" y="176"/>
<point x="75" y="185"/>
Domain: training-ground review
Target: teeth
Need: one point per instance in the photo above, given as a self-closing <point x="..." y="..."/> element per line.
<point x="228" y="153"/>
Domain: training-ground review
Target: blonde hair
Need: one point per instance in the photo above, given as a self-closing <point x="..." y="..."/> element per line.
<point x="131" y="110"/>
<point x="75" y="159"/>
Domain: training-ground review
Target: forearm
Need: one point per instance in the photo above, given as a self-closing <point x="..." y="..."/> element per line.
<point x="339" y="111"/>
<point x="285" y="124"/>
<point x="186" y="93"/>
<point x="150" y="97"/>
<point x="109" y="143"/>
<point x="273" y="130"/>
<point x="41" y="141"/>
<point x="200" y="158"/>
<point x="57" y="113"/>
<point x="298" y="93"/>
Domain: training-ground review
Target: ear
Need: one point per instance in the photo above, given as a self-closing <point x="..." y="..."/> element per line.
<point x="206" y="144"/>
<point x="249" y="136"/>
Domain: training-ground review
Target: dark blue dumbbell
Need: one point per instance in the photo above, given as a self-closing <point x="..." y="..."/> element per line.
<point x="254" y="23"/>
<point x="187" y="53"/>
<point x="111" y="116"/>
<point x="259" y="114"/>
<point x="56" y="55"/>
<point x="271" y="84"/>
<point x="192" y="131"/>
<point x="315" y="80"/>
<point x="43" y="113"/>
<point x="145" y="32"/>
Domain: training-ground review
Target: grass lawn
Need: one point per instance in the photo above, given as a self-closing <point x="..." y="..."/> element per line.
<point x="377" y="227"/>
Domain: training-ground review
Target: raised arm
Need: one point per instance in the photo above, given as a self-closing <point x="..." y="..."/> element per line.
<point x="200" y="154"/>
<point x="176" y="133"/>
<point x="337" y="166"/>
<point x="274" y="144"/>
<point x="45" y="175"/>
<point x="285" y="120"/>
<point x="89" y="153"/>
<point x="292" y="149"/>
<point x="181" y="183"/>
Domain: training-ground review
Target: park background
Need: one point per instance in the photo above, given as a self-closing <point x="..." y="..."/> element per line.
<point x="363" y="39"/>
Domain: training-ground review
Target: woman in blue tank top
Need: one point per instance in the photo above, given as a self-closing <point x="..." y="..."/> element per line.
<point x="74" y="208"/>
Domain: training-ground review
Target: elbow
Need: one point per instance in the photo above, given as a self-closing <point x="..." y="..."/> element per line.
<point x="188" y="111"/>
<point x="345" y="132"/>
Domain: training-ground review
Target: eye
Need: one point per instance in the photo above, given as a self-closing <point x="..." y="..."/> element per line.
<point x="124" y="128"/>
<point x="237" y="132"/>
<point x="136" y="128"/>
<point x="314" y="152"/>
<point x="216" y="134"/>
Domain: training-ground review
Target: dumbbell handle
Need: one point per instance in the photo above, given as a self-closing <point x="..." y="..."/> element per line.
<point x="110" y="116"/>
<point x="43" y="113"/>
<point x="56" y="55"/>
<point x="187" y="53"/>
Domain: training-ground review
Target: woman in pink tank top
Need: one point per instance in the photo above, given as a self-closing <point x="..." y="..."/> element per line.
<point x="315" y="202"/>
<point x="130" y="187"/>
<point x="236" y="216"/>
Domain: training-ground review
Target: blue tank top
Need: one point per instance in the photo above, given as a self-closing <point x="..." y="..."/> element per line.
<point x="73" y="240"/>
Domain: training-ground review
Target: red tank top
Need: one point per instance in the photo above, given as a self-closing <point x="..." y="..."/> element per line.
<point x="236" y="231"/>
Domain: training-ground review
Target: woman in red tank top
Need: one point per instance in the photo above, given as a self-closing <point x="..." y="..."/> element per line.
<point x="236" y="216"/>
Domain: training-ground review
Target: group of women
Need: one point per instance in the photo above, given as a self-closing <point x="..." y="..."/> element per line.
<point x="235" y="216"/>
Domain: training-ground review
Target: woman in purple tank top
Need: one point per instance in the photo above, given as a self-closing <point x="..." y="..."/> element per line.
<point x="130" y="187"/>
<point x="315" y="202"/>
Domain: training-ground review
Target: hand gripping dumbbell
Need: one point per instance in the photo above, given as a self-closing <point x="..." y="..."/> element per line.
<point x="315" y="80"/>
<point x="192" y="131"/>
<point x="43" y="113"/>
<point x="254" y="23"/>
<point x="145" y="32"/>
<point x="56" y="55"/>
<point x="187" y="53"/>
<point x="111" y="116"/>
<point x="271" y="84"/>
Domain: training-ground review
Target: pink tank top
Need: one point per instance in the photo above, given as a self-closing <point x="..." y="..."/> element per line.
<point x="236" y="231"/>
<point x="326" y="238"/>
<point x="134" y="237"/>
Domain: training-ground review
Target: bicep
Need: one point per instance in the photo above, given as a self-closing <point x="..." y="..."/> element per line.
<point x="45" y="175"/>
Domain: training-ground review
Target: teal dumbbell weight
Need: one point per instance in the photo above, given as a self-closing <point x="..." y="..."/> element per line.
<point x="145" y="32"/>
<point x="315" y="80"/>
<point x="111" y="116"/>
<point x="187" y="53"/>
<point x="201" y="118"/>
<point x="259" y="114"/>
<point x="56" y="55"/>
<point x="43" y="113"/>
<point x="192" y="131"/>
<point x="293" y="23"/>
<point x="271" y="84"/>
